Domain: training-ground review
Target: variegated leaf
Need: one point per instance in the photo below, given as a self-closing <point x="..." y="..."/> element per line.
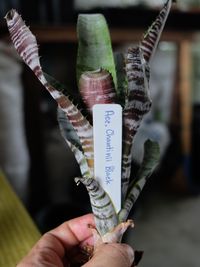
<point x="26" y="45"/>
<point x="121" y="77"/>
<point x="67" y="130"/>
<point x="71" y="138"/>
<point x="81" y="159"/>
<point x="152" y="37"/>
<point x="138" y="103"/>
<point x="97" y="87"/>
<point x="56" y="84"/>
<point x="103" y="209"/>
<point x="150" y="161"/>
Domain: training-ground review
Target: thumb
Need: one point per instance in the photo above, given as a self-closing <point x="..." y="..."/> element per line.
<point x="112" y="255"/>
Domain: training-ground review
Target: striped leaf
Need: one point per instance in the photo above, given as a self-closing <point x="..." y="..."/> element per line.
<point x="132" y="91"/>
<point x="97" y="87"/>
<point x="94" y="45"/>
<point x="138" y="103"/>
<point x="67" y="130"/>
<point x="103" y="209"/>
<point x="121" y="77"/>
<point x="26" y="45"/>
<point x="81" y="159"/>
<point x="56" y="84"/>
<point x="152" y="37"/>
<point x="71" y="138"/>
<point x="150" y="161"/>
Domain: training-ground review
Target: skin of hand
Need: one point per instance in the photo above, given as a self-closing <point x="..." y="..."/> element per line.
<point x="57" y="247"/>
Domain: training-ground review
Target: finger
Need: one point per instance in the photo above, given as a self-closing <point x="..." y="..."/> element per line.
<point x="75" y="231"/>
<point x="48" y="251"/>
<point x="52" y="246"/>
<point x="112" y="255"/>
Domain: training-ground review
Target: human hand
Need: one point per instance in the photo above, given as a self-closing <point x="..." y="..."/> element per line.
<point x="60" y="246"/>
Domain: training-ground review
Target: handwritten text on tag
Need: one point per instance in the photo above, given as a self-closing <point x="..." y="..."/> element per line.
<point x="107" y="124"/>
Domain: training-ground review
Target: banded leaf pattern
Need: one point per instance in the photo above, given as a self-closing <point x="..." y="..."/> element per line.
<point x="137" y="105"/>
<point x="26" y="45"/>
<point x="71" y="138"/>
<point x="56" y="84"/>
<point x="67" y="129"/>
<point x="149" y="163"/>
<point x="81" y="159"/>
<point x="122" y="86"/>
<point x="125" y="81"/>
<point x="103" y="209"/>
<point x="152" y="37"/>
<point x="97" y="87"/>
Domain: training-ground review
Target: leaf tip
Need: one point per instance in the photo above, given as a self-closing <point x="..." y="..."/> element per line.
<point x="77" y="180"/>
<point x="10" y="15"/>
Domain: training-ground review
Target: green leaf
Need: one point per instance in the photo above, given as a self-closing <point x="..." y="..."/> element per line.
<point x="94" y="45"/>
<point x="150" y="161"/>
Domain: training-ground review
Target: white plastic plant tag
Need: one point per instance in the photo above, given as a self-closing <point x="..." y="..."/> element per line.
<point x="107" y="126"/>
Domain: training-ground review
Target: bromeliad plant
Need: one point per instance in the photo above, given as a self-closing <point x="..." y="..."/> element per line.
<point x="102" y="78"/>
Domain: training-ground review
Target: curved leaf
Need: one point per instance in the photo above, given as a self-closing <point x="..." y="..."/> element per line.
<point x="103" y="209"/>
<point x="150" y="161"/>
<point x="138" y="103"/>
<point x="26" y="45"/>
<point x="67" y="129"/>
<point x="81" y="159"/>
<point x="56" y="84"/>
<point x="152" y="37"/>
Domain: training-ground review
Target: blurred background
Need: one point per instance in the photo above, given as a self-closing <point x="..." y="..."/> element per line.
<point x="41" y="167"/>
